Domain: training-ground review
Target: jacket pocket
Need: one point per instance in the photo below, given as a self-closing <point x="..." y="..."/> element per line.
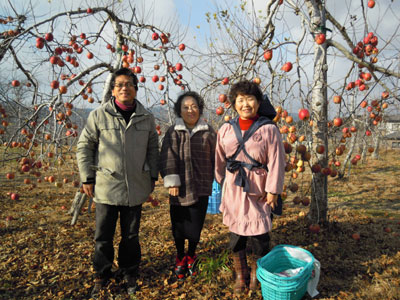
<point x="109" y="132"/>
<point x="108" y="125"/>
<point x="105" y="171"/>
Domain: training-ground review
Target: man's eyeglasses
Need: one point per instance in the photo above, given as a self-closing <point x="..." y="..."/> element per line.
<point x="126" y="84"/>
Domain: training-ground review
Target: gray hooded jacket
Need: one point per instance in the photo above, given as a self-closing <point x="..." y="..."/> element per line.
<point x="122" y="158"/>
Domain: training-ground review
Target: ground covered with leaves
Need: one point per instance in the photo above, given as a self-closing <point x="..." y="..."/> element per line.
<point x="43" y="257"/>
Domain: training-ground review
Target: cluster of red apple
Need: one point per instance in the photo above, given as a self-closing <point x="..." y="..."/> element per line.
<point x="223" y="98"/>
<point x="4" y="123"/>
<point x="374" y="109"/>
<point x="366" y="47"/>
<point x="128" y="59"/>
<point x="287" y="128"/>
<point x="24" y="132"/>
<point x="77" y="45"/>
<point x="26" y="165"/>
<point x="9" y="19"/>
<point x="71" y="129"/>
<point x="10" y="32"/>
<point x="303" y="200"/>
<point x="287" y="67"/>
<point x="320" y="38"/>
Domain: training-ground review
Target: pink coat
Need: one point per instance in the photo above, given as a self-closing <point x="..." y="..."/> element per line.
<point x="247" y="214"/>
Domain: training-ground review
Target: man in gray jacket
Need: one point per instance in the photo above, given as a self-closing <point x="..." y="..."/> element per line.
<point x="117" y="157"/>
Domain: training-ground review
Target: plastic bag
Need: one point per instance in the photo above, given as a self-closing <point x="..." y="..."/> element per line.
<point x="289" y="272"/>
<point x="313" y="282"/>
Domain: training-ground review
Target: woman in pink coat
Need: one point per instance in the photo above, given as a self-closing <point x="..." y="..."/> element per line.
<point x="252" y="180"/>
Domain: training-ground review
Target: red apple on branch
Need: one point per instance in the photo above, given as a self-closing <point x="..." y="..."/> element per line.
<point x="178" y="67"/>
<point x="320" y="38"/>
<point x="337" y="122"/>
<point x="54" y="84"/>
<point x="182" y="47"/>
<point x="385" y="95"/>
<point x="48" y="37"/>
<point x="305" y="201"/>
<point x="337" y="99"/>
<point x="316" y="168"/>
<point x="288" y="147"/>
<point x="220" y="110"/>
<point x="268" y="54"/>
<point x="371" y="3"/>
<point x="320" y="149"/>
<point x="304" y="114"/>
<point x="287" y="67"/>
<point x="222" y="98"/>
<point x="326" y="171"/>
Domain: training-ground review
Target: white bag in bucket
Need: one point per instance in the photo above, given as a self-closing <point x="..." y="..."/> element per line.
<point x="301" y="255"/>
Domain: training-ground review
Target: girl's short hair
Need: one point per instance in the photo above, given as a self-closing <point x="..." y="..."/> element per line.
<point x="196" y="96"/>
<point x="244" y="87"/>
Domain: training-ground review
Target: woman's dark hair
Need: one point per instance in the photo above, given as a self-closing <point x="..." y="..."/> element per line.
<point x="244" y="87"/>
<point x="196" y="96"/>
<point x="127" y="72"/>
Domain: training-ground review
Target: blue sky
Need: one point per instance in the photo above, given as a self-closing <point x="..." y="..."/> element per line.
<point x="196" y="10"/>
<point x="188" y="14"/>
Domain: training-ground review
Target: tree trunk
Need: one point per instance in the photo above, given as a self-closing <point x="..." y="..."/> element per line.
<point x="375" y="154"/>
<point x="363" y="151"/>
<point x="319" y="186"/>
<point x="353" y="143"/>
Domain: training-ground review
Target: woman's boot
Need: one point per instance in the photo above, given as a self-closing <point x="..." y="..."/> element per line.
<point x="253" y="274"/>
<point x="241" y="269"/>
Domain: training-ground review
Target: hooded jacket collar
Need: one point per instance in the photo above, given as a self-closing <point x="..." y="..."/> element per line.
<point x="139" y="111"/>
<point x="201" y="125"/>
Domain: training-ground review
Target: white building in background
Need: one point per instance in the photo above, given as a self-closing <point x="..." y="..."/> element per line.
<point x="391" y="124"/>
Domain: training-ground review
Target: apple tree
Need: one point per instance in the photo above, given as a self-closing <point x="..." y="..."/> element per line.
<point x="56" y="66"/>
<point x="330" y="61"/>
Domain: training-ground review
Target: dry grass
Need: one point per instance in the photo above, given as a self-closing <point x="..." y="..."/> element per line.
<point x="43" y="257"/>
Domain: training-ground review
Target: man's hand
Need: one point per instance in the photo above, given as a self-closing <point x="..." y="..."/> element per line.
<point x="88" y="189"/>
<point x="272" y="200"/>
<point x="173" y="191"/>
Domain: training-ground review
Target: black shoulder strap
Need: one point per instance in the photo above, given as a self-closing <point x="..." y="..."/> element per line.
<point x="243" y="139"/>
